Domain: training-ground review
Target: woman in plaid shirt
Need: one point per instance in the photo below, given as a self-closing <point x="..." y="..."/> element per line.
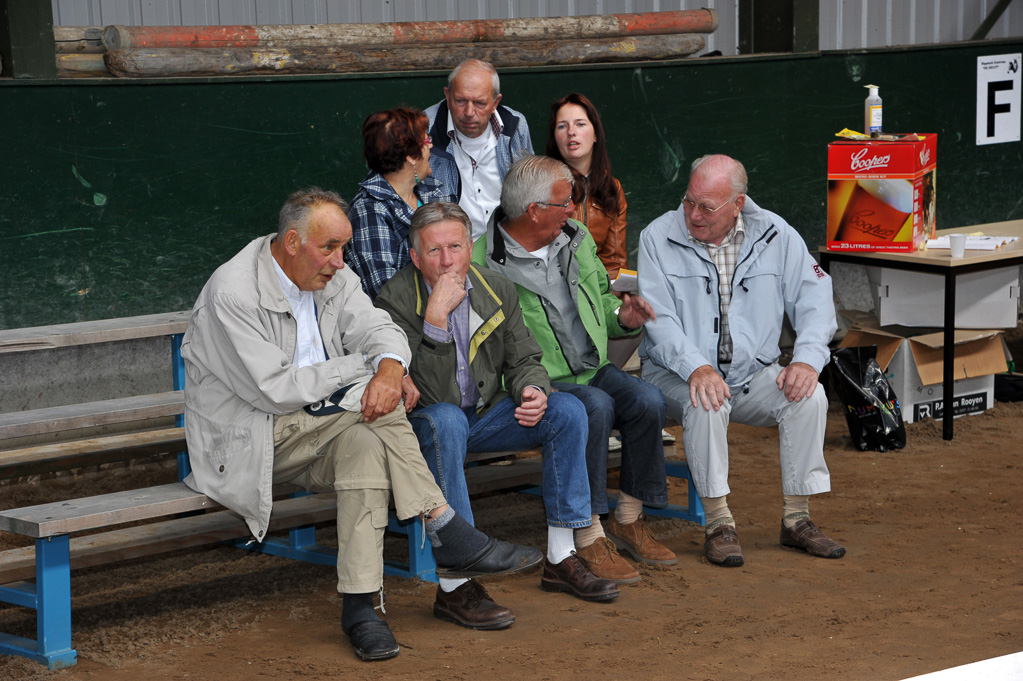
<point x="397" y="150"/>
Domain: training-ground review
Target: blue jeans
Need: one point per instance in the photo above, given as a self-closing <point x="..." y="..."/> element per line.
<point x="447" y="432"/>
<point x="614" y="399"/>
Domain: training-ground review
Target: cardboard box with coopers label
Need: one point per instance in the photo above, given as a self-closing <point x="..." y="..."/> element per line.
<point x="881" y="194"/>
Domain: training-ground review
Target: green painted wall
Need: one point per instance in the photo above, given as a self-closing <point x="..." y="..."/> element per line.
<point x="120" y="198"/>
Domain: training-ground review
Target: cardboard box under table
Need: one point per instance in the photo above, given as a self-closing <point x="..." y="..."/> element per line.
<point x="988" y="299"/>
<point x="881" y="194"/>
<point x="913" y="365"/>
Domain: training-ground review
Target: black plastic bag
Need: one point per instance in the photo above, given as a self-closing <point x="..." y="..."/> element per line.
<point x="872" y="409"/>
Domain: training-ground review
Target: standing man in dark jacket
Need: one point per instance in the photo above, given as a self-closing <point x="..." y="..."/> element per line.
<point x="475" y="139"/>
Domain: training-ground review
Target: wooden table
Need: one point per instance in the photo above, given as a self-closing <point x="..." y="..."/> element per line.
<point x="941" y="262"/>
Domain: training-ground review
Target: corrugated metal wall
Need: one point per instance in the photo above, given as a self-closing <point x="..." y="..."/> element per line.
<point x="844" y="24"/>
<point x="852" y="24"/>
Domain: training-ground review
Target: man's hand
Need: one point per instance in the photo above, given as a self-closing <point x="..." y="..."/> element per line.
<point x="798" y="380"/>
<point x="708" y="388"/>
<point x="634" y="312"/>
<point x="383" y="393"/>
<point x="534" y="404"/>
<point x="410" y="393"/>
<point x="447" y="293"/>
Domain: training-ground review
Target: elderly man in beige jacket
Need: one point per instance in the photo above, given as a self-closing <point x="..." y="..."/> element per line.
<point x="293" y="376"/>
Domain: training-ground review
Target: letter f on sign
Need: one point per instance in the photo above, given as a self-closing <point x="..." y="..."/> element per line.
<point x="993" y="88"/>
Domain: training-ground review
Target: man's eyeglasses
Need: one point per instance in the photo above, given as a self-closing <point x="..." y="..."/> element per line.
<point x="704" y="208"/>
<point x="563" y="206"/>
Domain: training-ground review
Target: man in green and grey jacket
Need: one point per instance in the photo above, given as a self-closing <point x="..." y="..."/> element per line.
<point x="567" y="303"/>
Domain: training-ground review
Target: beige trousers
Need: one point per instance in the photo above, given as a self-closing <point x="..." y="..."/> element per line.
<point x="363" y="463"/>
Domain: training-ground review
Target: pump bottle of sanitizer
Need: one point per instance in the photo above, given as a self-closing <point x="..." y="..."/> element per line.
<point x="872" y="112"/>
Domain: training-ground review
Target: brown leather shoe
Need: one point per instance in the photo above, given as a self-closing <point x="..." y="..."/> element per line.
<point x="637" y="540"/>
<point x="470" y="606"/>
<point x="604" y="561"/>
<point x="574" y="576"/>
<point x="722" y="547"/>
<point x="806" y="536"/>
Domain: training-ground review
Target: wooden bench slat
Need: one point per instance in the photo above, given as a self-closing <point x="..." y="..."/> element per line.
<point x="98" y="331"/>
<point x="91" y="414"/>
<point x="171" y="535"/>
<point x="90" y="513"/>
<point x="89" y="451"/>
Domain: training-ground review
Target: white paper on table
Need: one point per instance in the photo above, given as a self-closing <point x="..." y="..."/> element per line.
<point x="973" y="243"/>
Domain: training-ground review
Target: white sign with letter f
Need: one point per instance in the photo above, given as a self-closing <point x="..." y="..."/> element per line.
<point x="998" y="98"/>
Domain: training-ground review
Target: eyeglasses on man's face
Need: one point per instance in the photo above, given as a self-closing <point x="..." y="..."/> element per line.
<point x="704" y="209"/>
<point x="563" y="206"/>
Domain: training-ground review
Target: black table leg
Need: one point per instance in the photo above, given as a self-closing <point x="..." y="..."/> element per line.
<point x="948" y="362"/>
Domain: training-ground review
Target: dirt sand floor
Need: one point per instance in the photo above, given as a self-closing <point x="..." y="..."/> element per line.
<point x="933" y="578"/>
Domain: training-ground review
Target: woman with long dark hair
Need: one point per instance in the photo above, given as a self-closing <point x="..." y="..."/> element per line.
<point x="575" y="136"/>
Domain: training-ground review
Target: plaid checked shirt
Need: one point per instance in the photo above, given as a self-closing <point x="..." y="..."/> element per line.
<point x="725" y="257"/>
<point x="380" y="223"/>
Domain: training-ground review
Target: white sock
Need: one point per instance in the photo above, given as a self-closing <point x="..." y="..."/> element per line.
<point x="795" y="507"/>
<point x="447" y="585"/>
<point x="585" y="536"/>
<point x="628" y="509"/>
<point x="716" y="510"/>
<point x="560" y="544"/>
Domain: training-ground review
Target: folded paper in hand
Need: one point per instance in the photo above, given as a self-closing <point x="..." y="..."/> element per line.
<point x="627" y="282"/>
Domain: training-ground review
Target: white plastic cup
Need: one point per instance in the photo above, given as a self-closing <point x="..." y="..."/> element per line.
<point x="957" y="244"/>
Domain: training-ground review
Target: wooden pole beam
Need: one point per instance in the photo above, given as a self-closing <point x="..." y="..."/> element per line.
<point x="233" y="61"/>
<point x="414" y="32"/>
<point x="178" y="61"/>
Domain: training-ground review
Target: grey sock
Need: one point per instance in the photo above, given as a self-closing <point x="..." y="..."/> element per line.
<point x="454" y="540"/>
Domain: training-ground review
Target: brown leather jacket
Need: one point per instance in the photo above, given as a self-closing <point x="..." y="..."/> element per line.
<point x="607" y="230"/>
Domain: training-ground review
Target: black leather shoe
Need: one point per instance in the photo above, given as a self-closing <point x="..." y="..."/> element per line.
<point x="574" y="576"/>
<point x="496" y="558"/>
<point x="373" y="640"/>
<point x="470" y="606"/>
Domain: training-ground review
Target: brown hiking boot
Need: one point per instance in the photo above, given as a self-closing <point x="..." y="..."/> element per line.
<point x="604" y="561"/>
<point x="574" y="576"/>
<point x="472" y="607"/>
<point x="637" y="540"/>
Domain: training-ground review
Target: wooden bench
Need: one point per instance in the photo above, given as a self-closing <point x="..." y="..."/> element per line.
<point x="55" y="553"/>
<point x="66" y="420"/>
<point x="51" y="526"/>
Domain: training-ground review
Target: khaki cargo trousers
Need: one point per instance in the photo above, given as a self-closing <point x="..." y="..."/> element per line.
<point x="363" y="463"/>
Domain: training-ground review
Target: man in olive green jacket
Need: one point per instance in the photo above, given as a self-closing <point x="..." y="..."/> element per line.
<point x="567" y="303"/>
<point x="467" y="338"/>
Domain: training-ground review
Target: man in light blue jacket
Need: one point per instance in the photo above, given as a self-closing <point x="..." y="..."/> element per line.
<point x="721" y="274"/>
